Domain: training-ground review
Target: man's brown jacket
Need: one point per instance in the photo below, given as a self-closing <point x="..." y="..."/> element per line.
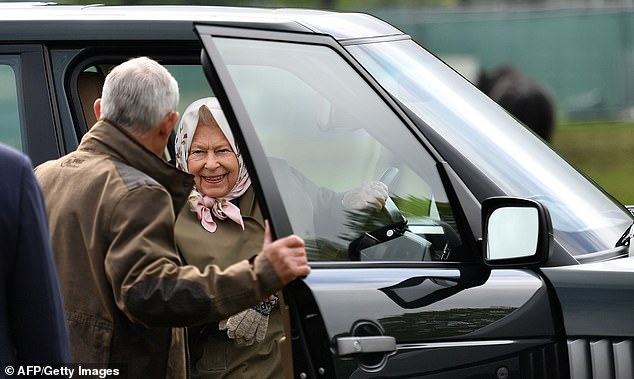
<point x="111" y="206"/>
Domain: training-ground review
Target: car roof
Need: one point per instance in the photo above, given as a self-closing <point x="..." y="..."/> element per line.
<point x="49" y="21"/>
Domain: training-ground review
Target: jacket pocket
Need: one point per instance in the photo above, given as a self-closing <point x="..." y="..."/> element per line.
<point x="207" y="349"/>
<point x="90" y="338"/>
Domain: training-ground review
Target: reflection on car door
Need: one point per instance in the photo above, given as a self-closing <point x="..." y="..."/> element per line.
<point x="377" y="308"/>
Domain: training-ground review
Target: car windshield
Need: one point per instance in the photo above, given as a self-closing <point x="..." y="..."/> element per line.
<point x="585" y="220"/>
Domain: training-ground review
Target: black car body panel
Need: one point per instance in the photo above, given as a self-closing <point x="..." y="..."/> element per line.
<point x="594" y="297"/>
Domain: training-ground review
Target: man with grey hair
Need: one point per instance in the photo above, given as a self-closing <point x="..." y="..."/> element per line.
<point x="111" y="206"/>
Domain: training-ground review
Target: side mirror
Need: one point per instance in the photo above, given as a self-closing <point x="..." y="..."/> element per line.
<point x="516" y="231"/>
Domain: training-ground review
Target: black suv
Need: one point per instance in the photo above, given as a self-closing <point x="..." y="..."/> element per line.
<point x="493" y="258"/>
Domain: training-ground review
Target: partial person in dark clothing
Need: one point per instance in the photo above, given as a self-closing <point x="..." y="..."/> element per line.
<point x="32" y="326"/>
<point x="527" y="100"/>
<point x="112" y="206"/>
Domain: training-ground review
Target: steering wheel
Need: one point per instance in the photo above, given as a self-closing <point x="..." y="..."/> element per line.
<point x="388" y="178"/>
<point x="394" y="227"/>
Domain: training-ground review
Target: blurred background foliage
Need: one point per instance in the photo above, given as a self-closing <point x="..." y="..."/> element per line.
<point x="582" y="50"/>
<point x="603" y="151"/>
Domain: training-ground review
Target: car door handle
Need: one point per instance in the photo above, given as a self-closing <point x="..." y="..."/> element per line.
<point x="363" y="345"/>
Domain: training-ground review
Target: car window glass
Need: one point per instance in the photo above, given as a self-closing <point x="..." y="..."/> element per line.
<point x="327" y="132"/>
<point x="192" y="83"/>
<point x="10" y="130"/>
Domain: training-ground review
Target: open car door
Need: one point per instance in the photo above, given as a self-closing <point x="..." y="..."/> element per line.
<point x="399" y="291"/>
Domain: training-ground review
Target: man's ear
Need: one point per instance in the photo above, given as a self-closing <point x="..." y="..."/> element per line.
<point x="169" y="122"/>
<point x="97" y="108"/>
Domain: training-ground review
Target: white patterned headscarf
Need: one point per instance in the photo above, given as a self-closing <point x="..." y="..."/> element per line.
<point x="204" y="206"/>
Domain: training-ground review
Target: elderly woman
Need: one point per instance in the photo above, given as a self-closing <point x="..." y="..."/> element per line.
<point x="222" y="225"/>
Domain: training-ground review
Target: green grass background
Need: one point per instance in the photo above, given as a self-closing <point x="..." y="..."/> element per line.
<point x="603" y="151"/>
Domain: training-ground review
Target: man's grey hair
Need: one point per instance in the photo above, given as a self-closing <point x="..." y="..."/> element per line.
<point x="137" y="94"/>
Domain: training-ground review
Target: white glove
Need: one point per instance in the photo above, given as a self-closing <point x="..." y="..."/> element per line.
<point x="251" y="324"/>
<point x="371" y="194"/>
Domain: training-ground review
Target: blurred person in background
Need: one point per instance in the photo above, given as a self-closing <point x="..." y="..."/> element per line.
<point x="530" y="102"/>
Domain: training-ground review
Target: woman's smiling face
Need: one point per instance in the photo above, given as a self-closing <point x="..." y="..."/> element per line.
<point x="212" y="161"/>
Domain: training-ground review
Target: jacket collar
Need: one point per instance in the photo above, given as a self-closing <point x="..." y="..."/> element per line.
<point x="109" y="139"/>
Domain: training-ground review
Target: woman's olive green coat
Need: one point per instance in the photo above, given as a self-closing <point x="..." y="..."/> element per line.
<point x="212" y="353"/>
